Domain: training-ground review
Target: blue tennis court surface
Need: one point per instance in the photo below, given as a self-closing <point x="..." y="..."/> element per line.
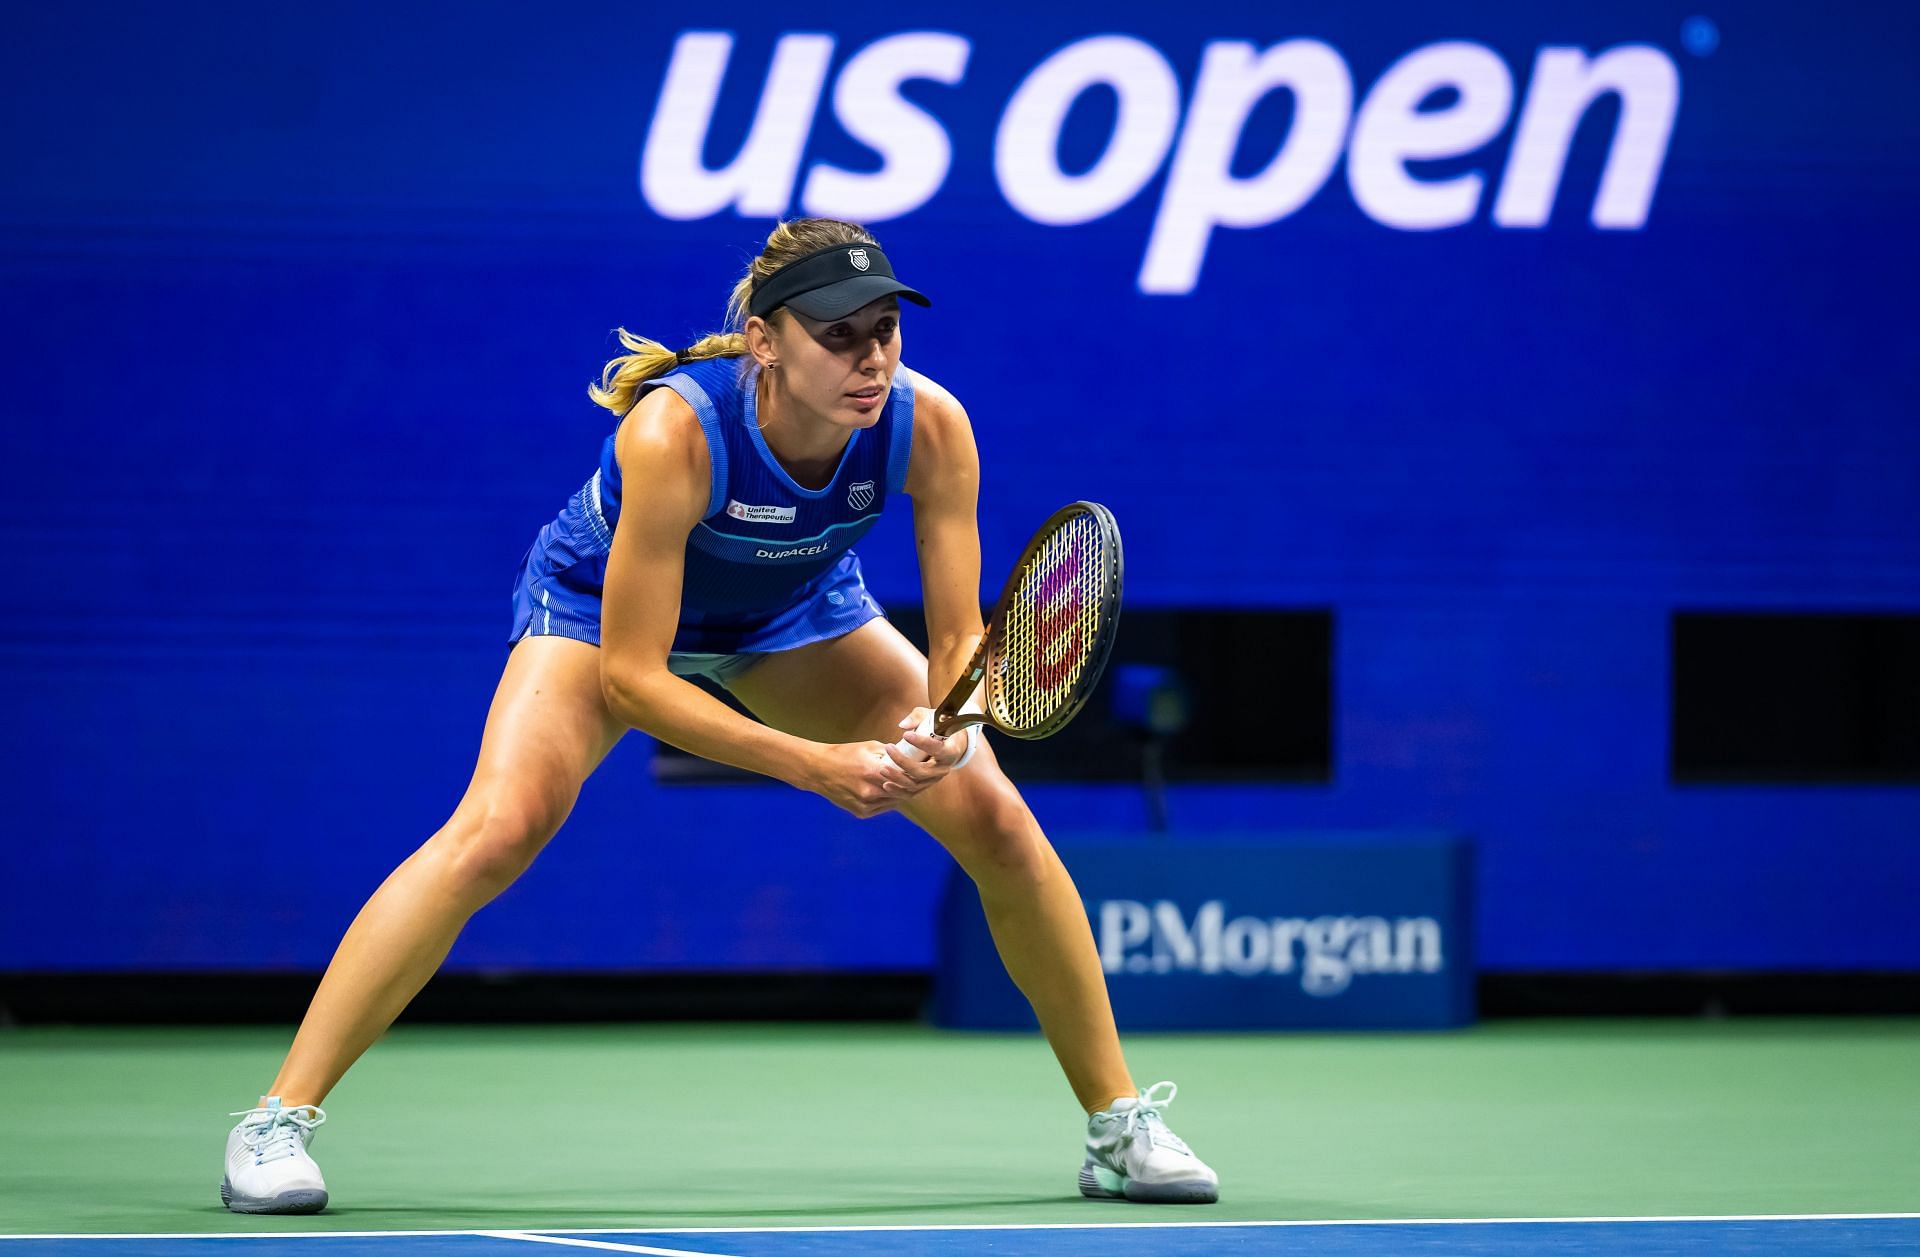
<point x="1842" y="1235"/>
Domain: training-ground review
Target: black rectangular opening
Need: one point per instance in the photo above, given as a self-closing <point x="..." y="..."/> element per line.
<point x="1255" y="688"/>
<point x="1809" y="698"/>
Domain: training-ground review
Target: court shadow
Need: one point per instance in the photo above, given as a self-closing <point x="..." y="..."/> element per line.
<point x="1274" y="1209"/>
<point x="661" y="1216"/>
<point x="533" y="1216"/>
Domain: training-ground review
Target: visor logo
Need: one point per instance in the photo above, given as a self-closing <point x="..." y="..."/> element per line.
<point x="859" y="259"/>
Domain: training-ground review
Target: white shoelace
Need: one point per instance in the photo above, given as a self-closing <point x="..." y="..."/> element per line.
<point x="274" y="1132"/>
<point x="1146" y="1116"/>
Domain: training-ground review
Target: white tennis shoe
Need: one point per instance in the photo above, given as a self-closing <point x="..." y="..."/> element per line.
<point x="268" y="1169"/>
<point x="1132" y="1155"/>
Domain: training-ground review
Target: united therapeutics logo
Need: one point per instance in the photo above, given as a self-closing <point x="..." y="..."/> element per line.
<point x="1327" y="952"/>
<point x="760" y="514"/>
<point x="1446" y="100"/>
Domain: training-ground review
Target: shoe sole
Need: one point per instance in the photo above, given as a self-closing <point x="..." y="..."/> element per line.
<point x="306" y="1200"/>
<point x="1099" y="1183"/>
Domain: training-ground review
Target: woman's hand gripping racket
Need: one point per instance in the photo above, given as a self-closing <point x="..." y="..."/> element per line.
<point x="1049" y="636"/>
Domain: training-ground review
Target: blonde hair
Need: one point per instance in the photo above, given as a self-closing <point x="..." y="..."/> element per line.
<point x="620" y="379"/>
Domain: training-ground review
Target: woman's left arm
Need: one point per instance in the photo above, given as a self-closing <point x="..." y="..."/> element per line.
<point x="943" y="479"/>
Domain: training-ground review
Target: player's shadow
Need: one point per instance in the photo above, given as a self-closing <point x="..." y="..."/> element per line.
<point x="691" y="1213"/>
<point x="697" y="1214"/>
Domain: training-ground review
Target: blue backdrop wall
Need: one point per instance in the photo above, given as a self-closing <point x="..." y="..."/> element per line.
<point x="1503" y="331"/>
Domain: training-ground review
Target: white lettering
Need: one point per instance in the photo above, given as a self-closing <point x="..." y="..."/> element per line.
<point x="1138" y="938"/>
<point x="1565" y="84"/>
<point x="914" y="149"/>
<point x="797" y="551"/>
<point x="1124" y="923"/>
<point x="1323" y="968"/>
<point x="762" y="514"/>
<point x="1174" y="946"/>
<point x="1416" y="945"/>
<point x="1026" y="151"/>
<point x="1397" y="126"/>
<point x="1372" y="948"/>
<point x="1201" y="191"/>
<point x="1392" y="129"/>
<point x="759" y="181"/>
<point x="1286" y="931"/>
<point x="1243" y="945"/>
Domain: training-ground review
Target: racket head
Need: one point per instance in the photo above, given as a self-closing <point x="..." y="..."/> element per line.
<point x="1054" y="625"/>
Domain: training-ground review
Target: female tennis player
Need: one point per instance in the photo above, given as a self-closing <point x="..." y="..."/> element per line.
<point x="764" y="453"/>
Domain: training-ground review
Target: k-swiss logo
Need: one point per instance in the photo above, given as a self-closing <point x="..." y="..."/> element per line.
<point x="860" y="495"/>
<point x="859" y="259"/>
<point x="760" y="514"/>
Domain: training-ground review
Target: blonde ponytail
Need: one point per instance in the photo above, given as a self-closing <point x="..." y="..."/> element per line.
<point x="621" y="379"/>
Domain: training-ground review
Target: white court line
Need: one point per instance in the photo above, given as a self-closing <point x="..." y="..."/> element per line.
<point x="530" y="1237"/>
<point x="985" y="1226"/>
<point x="1299" y="1222"/>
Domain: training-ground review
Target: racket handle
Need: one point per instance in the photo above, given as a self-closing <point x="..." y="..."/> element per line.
<point x="973" y="733"/>
<point x="907" y="749"/>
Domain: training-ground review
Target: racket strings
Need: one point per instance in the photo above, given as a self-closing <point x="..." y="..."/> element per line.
<point x="1053" y="626"/>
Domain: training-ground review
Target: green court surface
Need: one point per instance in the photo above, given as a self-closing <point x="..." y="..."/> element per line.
<point x="659" y="1126"/>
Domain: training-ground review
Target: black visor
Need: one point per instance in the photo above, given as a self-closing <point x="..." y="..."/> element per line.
<point x="831" y="283"/>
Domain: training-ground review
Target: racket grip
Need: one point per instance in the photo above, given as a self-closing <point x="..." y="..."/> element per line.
<point x="908" y="749"/>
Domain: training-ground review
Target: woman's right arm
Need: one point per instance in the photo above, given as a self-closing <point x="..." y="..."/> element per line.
<point x="665" y="468"/>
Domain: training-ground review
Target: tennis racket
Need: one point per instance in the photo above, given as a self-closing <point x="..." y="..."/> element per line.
<point x="1048" y="639"/>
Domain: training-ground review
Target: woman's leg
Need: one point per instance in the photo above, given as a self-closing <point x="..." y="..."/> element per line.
<point x="547" y="730"/>
<point x="859" y="686"/>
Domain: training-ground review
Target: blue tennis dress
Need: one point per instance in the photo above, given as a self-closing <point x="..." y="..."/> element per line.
<point x="770" y="566"/>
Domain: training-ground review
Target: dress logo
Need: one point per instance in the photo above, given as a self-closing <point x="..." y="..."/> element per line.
<point x="860" y="495"/>
<point x="859" y="259"/>
<point x="762" y="514"/>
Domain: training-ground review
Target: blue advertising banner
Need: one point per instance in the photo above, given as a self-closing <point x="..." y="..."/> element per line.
<point x="1500" y="333"/>
<point x="1270" y="931"/>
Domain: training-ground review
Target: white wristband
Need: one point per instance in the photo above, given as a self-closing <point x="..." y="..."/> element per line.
<point x="909" y="751"/>
<point x="974" y="734"/>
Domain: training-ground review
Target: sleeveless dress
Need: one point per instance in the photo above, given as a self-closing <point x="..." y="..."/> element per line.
<point x="769" y="567"/>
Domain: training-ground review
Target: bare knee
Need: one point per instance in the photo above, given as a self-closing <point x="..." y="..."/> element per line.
<point x="1002" y="847"/>
<point x="489" y="845"/>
